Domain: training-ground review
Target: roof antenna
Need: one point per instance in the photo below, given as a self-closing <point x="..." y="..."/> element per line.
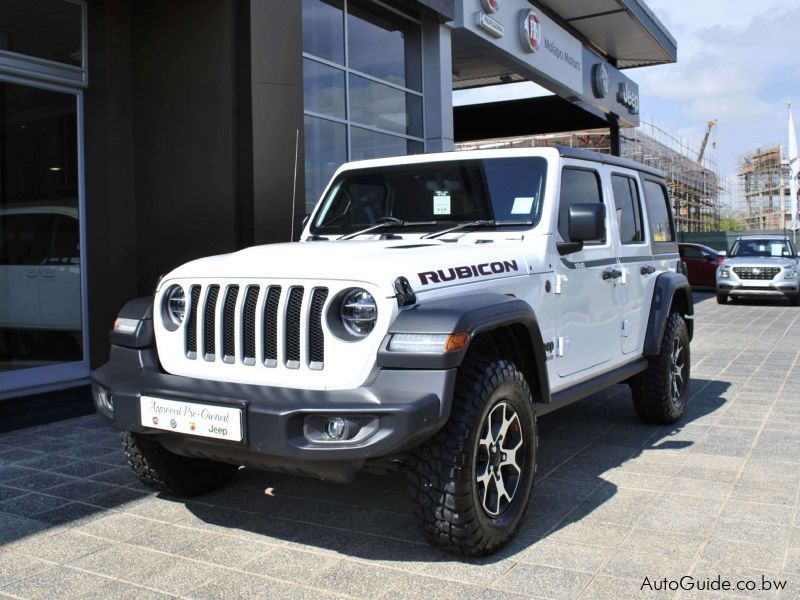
<point x="294" y="182"/>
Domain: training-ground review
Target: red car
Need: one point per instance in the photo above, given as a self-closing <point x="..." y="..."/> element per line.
<point x="701" y="264"/>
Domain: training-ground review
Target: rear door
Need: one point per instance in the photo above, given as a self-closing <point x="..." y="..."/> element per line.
<point x="24" y="241"/>
<point x="588" y="294"/>
<point x="635" y="256"/>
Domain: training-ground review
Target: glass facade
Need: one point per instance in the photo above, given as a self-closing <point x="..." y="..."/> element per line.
<point x="41" y="264"/>
<point x="362" y="80"/>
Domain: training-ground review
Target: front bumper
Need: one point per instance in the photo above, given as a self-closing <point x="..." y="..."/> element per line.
<point x="776" y="288"/>
<point x="410" y="406"/>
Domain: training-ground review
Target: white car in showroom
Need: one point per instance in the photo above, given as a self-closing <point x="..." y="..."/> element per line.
<point x="40" y="277"/>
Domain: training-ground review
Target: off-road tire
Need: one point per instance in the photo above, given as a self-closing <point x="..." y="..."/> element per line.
<point x="652" y="389"/>
<point x="442" y="471"/>
<point x="722" y="298"/>
<point x="160" y="469"/>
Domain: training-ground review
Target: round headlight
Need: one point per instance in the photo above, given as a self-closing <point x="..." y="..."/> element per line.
<point x="359" y="312"/>
<point x="175" y="304"/>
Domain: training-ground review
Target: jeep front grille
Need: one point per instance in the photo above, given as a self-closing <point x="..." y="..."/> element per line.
<point x="756" y="272"/>
<point x="290" y="331"/>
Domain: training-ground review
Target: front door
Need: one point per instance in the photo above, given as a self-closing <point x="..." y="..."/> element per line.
<point x="636" y="259"/>
<point x="587" y="287"/>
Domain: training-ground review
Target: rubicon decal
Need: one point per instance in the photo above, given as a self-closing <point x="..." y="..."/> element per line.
<point x="467" y="271"/>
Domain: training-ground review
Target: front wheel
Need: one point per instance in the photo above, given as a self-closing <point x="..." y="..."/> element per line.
<point x="661" y="392"/>
<point x="471" y="481"/>
<point x="722" y="298"/>
<point x="160" y="469"/>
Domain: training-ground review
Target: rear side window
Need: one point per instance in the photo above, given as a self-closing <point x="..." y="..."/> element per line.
<point x="629" y="209"/>
<point x="658" y="209"/>
<point x="578" y="186"/>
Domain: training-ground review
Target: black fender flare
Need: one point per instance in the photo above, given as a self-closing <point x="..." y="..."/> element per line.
<point x="668" y="285"/>
<point x="141" y="310"/>
<point x="473" y="314"/>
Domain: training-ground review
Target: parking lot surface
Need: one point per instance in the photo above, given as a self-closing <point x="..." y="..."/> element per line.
<point x="617" y="506"/>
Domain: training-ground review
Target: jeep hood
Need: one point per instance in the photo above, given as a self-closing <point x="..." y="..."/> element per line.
<point x="427" y="264"/>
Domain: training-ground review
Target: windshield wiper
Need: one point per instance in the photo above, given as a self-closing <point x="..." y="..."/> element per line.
<point x="479" y="223"/>
<point x="388" y="223"/>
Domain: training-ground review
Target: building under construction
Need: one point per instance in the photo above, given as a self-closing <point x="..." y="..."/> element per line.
<point x="763" y="189"/>
<point x="695" y="187"/>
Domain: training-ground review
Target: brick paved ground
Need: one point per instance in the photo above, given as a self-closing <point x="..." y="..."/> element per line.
<point x="615" y="501"/>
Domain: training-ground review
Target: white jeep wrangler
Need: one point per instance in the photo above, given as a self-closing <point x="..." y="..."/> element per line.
<point x="436" y="305"/>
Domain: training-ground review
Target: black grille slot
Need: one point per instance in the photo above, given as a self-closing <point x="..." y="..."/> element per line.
<point x="191" y="322"/>
<point x="316" y="338"/>
<point x="763" y="273"/>
<point x="293" y="305"/>
<point x="271" y="326"/>
<point x="210" y="323"/>
<point x="229" y="325"/>
<point x="249" y="325"/>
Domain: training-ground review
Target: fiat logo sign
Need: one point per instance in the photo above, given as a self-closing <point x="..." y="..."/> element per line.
<point x="531" y="31"/>
<point x="490" y="6"/>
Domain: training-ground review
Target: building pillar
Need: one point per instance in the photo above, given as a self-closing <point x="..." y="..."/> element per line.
<point x="614" y="137"/>
<point x="276" y="74"/>
<point x="437" y="78"/>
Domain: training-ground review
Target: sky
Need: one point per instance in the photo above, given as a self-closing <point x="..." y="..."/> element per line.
<point x="738" y="62"/>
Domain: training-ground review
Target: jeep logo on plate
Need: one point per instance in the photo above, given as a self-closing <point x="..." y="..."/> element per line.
<point x="467" y="271"/>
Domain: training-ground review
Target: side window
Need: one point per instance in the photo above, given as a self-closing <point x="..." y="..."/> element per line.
<point x="66" y="242"/>
<point x="629" y="209"/>
<point x="658" y="209"/>
<point x="692" y="252"/>
<point x="578" y="186"/>
<point x="24" y="239"/>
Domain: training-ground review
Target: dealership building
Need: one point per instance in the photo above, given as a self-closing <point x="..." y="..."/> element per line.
<point x="136" y="135"/>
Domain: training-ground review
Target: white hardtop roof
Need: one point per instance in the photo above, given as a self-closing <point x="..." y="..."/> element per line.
<point x="412" y="159"/>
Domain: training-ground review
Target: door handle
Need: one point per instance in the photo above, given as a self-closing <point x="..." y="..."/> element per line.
<point x="612" y="274"/>
<point x="647" y="270"/>
<point x="49" y="274"/>
<point x="31" y="274"/>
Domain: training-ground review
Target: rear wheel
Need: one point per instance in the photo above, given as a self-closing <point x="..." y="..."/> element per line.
<point x="660" y="393"/>
<point x="472" y="480"/>
<point x="160" y="469"/>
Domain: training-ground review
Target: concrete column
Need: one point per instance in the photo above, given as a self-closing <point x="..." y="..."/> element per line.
<point x="437" y="77"/>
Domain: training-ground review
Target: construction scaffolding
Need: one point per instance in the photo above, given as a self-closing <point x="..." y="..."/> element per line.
<point x="695" y="188"/>
<point x="763" y="190"/>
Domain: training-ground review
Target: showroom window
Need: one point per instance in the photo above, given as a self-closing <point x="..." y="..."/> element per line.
<point x="42" y="257"/>
<point x="358" y="102"/>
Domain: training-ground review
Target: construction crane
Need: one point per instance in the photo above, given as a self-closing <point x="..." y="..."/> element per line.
<point x="709" y="125"/>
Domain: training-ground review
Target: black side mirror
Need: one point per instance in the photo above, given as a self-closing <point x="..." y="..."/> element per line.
<point x="587" y="223"/>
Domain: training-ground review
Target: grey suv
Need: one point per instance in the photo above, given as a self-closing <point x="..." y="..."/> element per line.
<point x="763" y="265"/>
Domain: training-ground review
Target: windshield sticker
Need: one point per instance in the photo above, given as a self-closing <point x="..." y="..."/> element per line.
<point x="522" y="206"/>
<point x="467" y="271"/>
<point x="441" y="203"/>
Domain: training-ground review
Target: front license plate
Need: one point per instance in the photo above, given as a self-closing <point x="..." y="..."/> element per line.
<point x="204" y="420"/>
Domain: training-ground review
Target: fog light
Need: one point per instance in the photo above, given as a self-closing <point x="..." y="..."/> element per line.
<point x="103" y="397"/>
<point x="335" y="428"/>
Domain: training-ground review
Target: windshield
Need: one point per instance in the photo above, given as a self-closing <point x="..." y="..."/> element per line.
<point x="437" y="195"/>
<point x="764" y="248"/>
